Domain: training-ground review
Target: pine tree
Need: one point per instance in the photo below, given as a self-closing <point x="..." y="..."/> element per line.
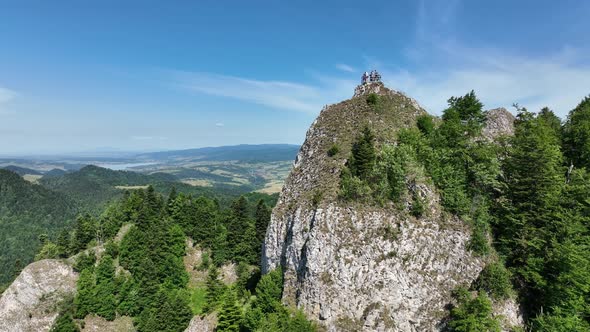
<point x="473" y="314"/>
<point x="65" y="323"/>
<point x="171" y="200"/>
<point x="269" y="291"/>
<point x="105" y="288"/>
<point x="262" y="217"/>
<point x="548" y="118"/>
<point x="230" y="315"/>
<point x="576" y="134"/>
<point x="63" y="243"/>
<point x="529" y="214"/>
<point x="85" y="297"/>
<point x="363" y="155"/>
<point x="215" y="289"/>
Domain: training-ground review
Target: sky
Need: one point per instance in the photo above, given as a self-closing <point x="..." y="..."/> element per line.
<point x="78" y="76"/>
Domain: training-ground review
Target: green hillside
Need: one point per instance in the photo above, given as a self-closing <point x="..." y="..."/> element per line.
<point x="26" y="211"/>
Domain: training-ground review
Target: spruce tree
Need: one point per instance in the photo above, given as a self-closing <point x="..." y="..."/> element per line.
<point x="65" y="323"/>
<point x="362" y="159"/>
<point x="230" y="315"/>
<point x="576" y="134"/>
<point x="85" y="300"/>
<point x="215" y="290"/>
<point x="262" y="217"/>
<point x="105" y="288"/>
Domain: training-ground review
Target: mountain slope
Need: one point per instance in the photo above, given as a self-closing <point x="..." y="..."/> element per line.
<point x="355" y="266"/>
<point x="27" y="210"/>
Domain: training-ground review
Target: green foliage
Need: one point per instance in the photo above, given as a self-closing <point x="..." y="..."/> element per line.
<point x="352" y="187"/>
<point x="425" y="124"/>
<point x="105" y="303"/>
<point x="85" y="300"/>
<point x="65" y="323"/>
<point x="362" y="158"/>
<point x="372" y="99"/>
<point x="418" y="205"/>
<point x="85" y="231"/>
<point x="479" y="242"/>
<point x="197" y="299"/>
<point x="576" y="135"/>
<point x="262" y="219"/>
<point x="495" y="280"/>
<point x="111" y="248"/>
<point x="316" y="199"/>
<point x="170" y="312"/>
<point x="472" y="314"/>
<point x="269" y="291"/>
<point x="26" y="211"/>
<point x="333" y="150"/>
<point x="230" y="315"/>
<point x="49" y="250"/>
<point x="557" y="322"/>
<point x="215" y="290"/>
<point x="266" y="312"/>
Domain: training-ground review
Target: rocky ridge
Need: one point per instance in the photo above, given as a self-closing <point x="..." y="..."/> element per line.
<point x="31" y="303"/>
<point x="353" y="267"/>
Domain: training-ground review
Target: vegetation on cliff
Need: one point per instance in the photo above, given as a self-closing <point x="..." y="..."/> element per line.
<point x="526" y="203"/>
<point x="141" y="272"/>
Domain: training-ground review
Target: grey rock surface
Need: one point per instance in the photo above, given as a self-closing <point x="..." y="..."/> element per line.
<point x="355" y="267"/>
<point x="31" y="303"/>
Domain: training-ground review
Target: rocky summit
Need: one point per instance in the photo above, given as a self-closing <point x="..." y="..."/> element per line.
<point x="358" y="267"/>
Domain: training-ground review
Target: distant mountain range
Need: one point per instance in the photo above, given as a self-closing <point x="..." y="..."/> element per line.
<point x="38" y="165"/>
<point x="243" y="152"/>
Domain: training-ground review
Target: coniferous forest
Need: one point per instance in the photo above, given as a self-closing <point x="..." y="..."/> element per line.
<point x="130" y="261"/>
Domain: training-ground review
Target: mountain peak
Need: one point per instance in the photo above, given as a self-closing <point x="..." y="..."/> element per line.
<point x="370" y="87"/>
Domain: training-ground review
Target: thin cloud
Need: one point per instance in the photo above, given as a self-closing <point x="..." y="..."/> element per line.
<point x="219" y="124"/>
<point x="274" y="94"/>
<point x="443" y="67"/>
<point x="6" y="96"/>
<point x="345" y="68"/>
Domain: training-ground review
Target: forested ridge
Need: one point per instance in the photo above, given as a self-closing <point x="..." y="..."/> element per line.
<point x="27" y="210"/>
<point x="142" y="274"/>
<point x="525" y="198"/>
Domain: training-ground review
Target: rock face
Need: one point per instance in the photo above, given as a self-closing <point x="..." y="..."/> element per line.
<point x="499" y="122"/>
<point x="31" y="303"/>
<point x="354" y="267"/>
<point x="202" y="324"/>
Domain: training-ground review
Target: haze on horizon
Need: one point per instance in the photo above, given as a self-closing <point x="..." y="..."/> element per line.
<point x="143" y="76"/>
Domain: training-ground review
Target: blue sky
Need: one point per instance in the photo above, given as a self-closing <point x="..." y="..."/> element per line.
<point x="152" y="75"/>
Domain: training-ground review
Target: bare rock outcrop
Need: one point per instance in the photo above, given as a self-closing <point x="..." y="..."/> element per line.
<point x="357" y="267"/>
<point x="499" y="122"/>
<point x="202" y="324"/>
<point x="31" y="303"/>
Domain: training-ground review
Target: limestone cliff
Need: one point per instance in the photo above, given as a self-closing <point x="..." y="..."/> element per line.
<point x="31" y="303"/>
<point x="354" y="267"/>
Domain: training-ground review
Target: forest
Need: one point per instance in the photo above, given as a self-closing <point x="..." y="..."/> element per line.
<point x="141" y="273"/>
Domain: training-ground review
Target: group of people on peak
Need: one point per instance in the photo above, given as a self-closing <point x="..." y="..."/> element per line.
<point x="374" y="76"/>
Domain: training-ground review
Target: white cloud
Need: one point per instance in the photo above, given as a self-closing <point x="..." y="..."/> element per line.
<point x="443" y="67"/>
<point x="345" y="67"/>
<point x="499" y="81"/>
<point x="219" y="124"/>
<point x="275" y="94"/>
